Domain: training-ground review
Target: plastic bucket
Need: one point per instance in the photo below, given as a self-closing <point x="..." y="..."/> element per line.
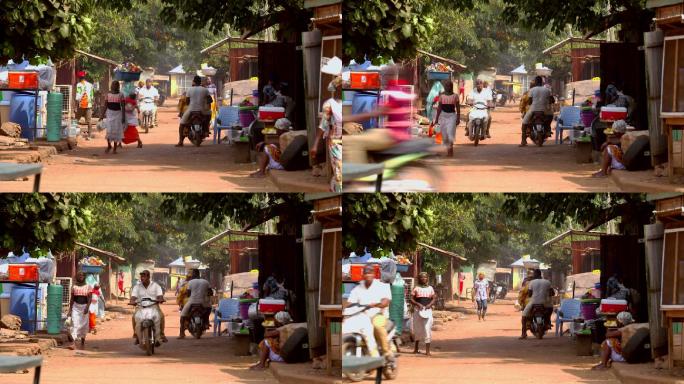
<point x="22" y="304"/>
<point x="54" y="309"/>
<point x="23" y="112"/>
<point x="364" y="102"/>
<point x="588" y="310"/>
<point x="246" y="117"/>
<point x="244" y="310"/>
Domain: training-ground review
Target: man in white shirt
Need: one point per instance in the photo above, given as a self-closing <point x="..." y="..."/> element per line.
<point x="199" y="290"/>
<point x="149" y="92"/>
<point x="377" y="295"/>
<point x="540" y="291"/>
<point x="199" y="100"/>
<point x="147" y="289"/>
<point x="480" y="94"/>
<point x="85" y="97"/>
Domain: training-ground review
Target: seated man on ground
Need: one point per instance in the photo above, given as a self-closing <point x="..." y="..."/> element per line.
<point x="269" y="347"/>
<point x="611" y="157"/>
<point x="611" y="348"/>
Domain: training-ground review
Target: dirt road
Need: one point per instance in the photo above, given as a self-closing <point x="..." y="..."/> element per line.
<point x="157" y="167"/>
<point x="468" y="351"/>
<point x="499" y="165"/>
<point x="111" y="358"/>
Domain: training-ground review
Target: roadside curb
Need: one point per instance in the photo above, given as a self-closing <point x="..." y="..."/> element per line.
<point x="287" y="374"/>
<point x="626" y="184"/>
<point x="641" y="374"/>
<point x="298" y="181"/>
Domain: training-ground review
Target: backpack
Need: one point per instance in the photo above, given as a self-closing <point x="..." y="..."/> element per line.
<point x="296" y="156"/>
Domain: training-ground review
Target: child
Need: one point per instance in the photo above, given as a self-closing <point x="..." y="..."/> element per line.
<point x="92" y="309"/>
<point x="131" y="133"/>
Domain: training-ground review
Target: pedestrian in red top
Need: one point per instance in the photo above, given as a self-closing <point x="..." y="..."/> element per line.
<point x="461" y="90"/>
<point x="131" y="134"/>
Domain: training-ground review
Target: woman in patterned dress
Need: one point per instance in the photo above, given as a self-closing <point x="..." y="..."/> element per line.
<point x="423" y="298"/>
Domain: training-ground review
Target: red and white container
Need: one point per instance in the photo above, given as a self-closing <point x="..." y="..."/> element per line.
<point x="271" y="305"/>
<point x="356" y="271"/>
<point x="271" y="113"/>
<point x="613" y="306"/>
<point x="23" y="80"/>
<point x="22" y="272"/>
<point x="613" y="113"/>
<point x="365" y="80"/>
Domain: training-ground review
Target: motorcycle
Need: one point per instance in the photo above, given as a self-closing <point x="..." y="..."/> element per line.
<point x="148" y="319"/>
<point x="502" y="291"/>
<point x="537" y="129"/>
<point x="195" y="322"/>
<point x="404" y="170"/>
<point x="147" y="112"/>
<point x="195" y="130"/>
<point x="501" y="99"/>
<point x="476" y="122"/>
<point x="354" y="342"/>
<point x="537" y="324"/>
<point x="495" y="292"/>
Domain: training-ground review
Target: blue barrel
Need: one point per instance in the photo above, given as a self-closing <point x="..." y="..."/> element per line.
<point x="23" y="112"/>
<point x="364" y="102"/>
<point x="23" y="304"/>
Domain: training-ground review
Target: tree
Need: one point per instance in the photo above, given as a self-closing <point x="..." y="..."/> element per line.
<point x="589" y="210"/>
<point x="591" y="17"/>
<point x="248" y="16"/>
<point x="389" y="222"/>
<point x="386" y="29"/>
<point x="247" y="210"/>
<point x="43" y="221"/>
<point x="141" y="36"/>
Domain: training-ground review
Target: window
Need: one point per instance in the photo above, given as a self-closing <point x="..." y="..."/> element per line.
<point x="673" y="269"/>
<point x="673" y="77"/>
<point x="330" y="285"/>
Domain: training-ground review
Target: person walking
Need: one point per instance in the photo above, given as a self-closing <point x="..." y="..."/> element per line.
<point x="115" y="117"/>
<point x="448" y="116"/>
<point x="81" y="296"/>
<point x="423" y="298"/>
<point x="84" y="100"/>
<point x="480" y="295"/>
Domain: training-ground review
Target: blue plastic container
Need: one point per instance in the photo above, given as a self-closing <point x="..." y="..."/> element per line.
<point x="439" y="75"/>
<point x="23" y="304"/>
<point x="95" y="269"/>
<point x="365" y="102"/>
<point x="23" y="112"/>
<point x="403" y="267"/>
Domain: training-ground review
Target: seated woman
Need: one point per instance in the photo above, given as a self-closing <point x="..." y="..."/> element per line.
<point x="612" y="153"/>
<point x="611" y="348"/>
<point x="269" y="347"/>
<point x="269" y="159"/>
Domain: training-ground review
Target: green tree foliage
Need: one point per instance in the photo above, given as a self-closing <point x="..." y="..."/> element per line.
<point x="43" y="27"/>
<point x="477" y="227"/>
<point x="141" y="36"/>
<point x="390" y="222"/>
<point x="589" y="16"/>
<point x="44" y="221"/>
<point x="387" y="29"/>
<point x="589" y="210"/>
<point x="476" y="39"/>
<point x="248" y="16"/>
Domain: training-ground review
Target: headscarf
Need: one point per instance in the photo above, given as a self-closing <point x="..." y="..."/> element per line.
<point x="283" y="318"/>
<point x="625" y="318"/>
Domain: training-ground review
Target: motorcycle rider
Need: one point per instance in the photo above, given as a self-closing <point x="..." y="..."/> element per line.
<point x="199" y="290"/>
<point x="539" y="289"/>
<point x="376" y="295"/>
<point x="480" y="95"/>
<point x="540" y="100"/>
<point x="199" y="101"/>
<point x="147" y="289"/>
<point x="149" y="91"/>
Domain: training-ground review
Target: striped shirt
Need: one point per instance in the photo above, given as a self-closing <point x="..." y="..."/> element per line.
<point x="423" y="295"/>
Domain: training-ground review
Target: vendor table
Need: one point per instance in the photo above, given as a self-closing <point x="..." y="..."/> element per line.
<point x="13" y="171"/>
<point x="352" y="364"/>
<point x="36" y="286"/>
<point x="332" y="320"/>
<point x="11" y="364"/>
